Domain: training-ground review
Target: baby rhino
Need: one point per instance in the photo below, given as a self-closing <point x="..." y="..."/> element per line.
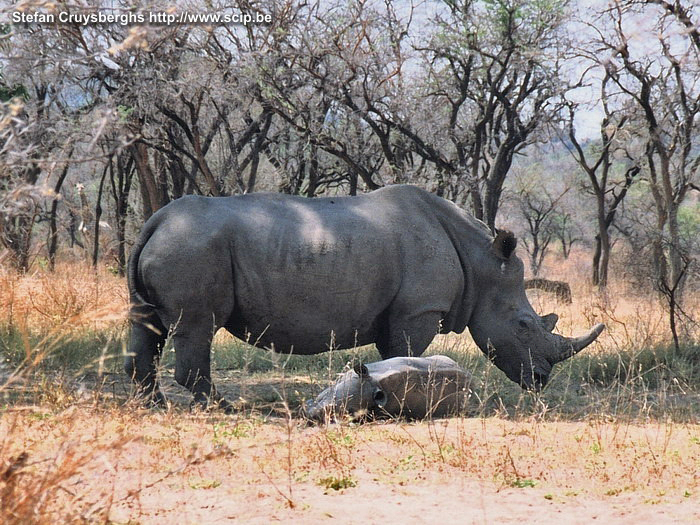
<point x="408" y="387"/>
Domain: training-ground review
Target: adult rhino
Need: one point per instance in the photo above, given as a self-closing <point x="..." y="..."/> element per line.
<point x="393" y="267"/>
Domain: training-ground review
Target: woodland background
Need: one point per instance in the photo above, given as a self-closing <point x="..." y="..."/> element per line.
<point x="575" y="124"/>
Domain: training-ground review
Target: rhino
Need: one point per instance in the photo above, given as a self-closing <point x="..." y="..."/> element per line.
<point x="393" y="267"/>
<point x="408" y="387"/>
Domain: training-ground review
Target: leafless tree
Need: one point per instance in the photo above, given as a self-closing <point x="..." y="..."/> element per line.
<point x="665" y="92"/>
<point x="326" y="79"/>
<point x="566" y="231"/>
<point x="538" y="208"/>
<point x="597" y="160"/>
<point x="493" y="80"/>
<point x="651" y="54"/>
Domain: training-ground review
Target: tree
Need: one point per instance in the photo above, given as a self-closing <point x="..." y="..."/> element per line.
<point x="326" y="77"/>
<point x="493" y="80"/>
<point x="566" y="231"/>
<point x="21" y="135"/>
<point x="476" y="96"/>
<point x="597" y="161"/>
<point x="57" y="127"/>
<point x="538" y="207"/>
<point x="658" y="75"/>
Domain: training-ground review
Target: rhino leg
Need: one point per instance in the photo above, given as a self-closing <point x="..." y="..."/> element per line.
<point x="145" y="346"/>
<point x="408" y="335"/>
<point x="193" y="367"/>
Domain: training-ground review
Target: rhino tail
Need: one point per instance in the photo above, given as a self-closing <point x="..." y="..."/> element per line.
<point x="137" y="293"/>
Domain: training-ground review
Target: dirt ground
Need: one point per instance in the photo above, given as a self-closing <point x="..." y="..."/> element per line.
<point x="125" y="464"/>
<point x="425" y="499"/>
<point x="460" y="500"/>
<point x="419" y="473"/>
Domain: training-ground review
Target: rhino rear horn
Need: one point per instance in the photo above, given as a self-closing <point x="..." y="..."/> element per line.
<point x="361" y="370"/>
<point x="504" y="244"/>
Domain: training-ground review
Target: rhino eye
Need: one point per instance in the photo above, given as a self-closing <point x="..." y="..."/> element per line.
<point x="523" y="324"/>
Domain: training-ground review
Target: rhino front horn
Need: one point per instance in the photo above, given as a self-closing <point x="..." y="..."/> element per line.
<point x="573" y="345"/>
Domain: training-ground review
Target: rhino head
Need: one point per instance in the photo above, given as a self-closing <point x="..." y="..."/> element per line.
<point x="506" y="327"/>
<point x="356" y="392"/>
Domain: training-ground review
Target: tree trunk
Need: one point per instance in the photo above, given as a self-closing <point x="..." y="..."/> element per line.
<point x="596" y="261"/>
<point x="151" y="191"/>
<point x="53" y="230"/>
<point x="494" y="185"/>
<point x="98" y="216"/>
<point x="534" y="257"/>
<point x="604" y="259"/>
<point x="353" y="183"/>
<point x="677" y="274"/>
<point x="603" y="239"/>
<point x="121" y="187"/>
<point x="313" y="174"/>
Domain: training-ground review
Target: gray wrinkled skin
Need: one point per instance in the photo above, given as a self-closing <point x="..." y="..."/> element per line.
<point x="393" y="267"/>
<point x="408" y="387"/>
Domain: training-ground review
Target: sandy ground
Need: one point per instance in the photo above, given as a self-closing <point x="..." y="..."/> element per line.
<point x="199" y="469"/>
<point x="458" y="500"/>
<point x="125" y="464"/>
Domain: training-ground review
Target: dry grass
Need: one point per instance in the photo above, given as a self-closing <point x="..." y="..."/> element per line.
<point x="43" y="459"/>
<point x="634" y="318"/>
<point x="71" y="451"/>
<point x="80" y="465"/>
<point x="74" y="297"/>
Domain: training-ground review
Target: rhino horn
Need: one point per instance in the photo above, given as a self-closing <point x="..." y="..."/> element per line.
<point x="572" y="345"/>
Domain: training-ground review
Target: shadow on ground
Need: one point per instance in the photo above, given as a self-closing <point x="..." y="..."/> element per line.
<point x="267" y="393"/>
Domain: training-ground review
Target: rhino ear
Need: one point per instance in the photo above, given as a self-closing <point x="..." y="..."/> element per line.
<point x="504" y="244"/>
<point x="549" y="321"/>
<point x="361" y="370"/>
<point x="379" y="398"/>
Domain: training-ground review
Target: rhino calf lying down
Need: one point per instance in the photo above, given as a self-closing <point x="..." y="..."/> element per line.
<point x="410" y="387"/>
